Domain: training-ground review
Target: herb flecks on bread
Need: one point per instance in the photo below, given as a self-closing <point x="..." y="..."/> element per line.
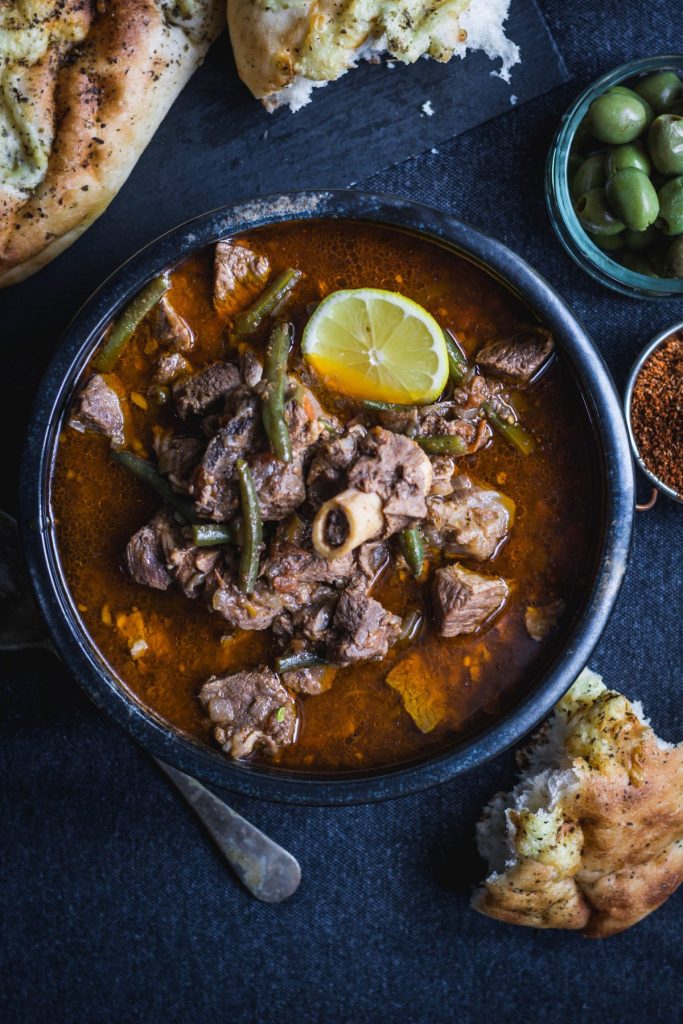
<point x="84" y="85"/>
<point x="286" y="48"/>
<point x="592" y="836"/>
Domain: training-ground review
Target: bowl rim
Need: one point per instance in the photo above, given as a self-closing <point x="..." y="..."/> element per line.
<point x="574" y="239"/>
<point x="634" y="373"/>
<point x="55" y="392"/>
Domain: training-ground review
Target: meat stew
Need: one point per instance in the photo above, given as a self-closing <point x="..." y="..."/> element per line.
<point x="369" y="657"/>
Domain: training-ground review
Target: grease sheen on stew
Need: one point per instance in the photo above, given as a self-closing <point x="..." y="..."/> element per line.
<point x="360" y="722"/>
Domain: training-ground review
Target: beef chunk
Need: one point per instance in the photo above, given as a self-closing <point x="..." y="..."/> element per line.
<point x="297" y="572"/>
<point x="327" y="472"/>
<point x="362" y="628"/>
<point x="311" y="681"/>
<point x="395" y="468"/>
<point x="401" y="421"/>
<point x="253" y="611"/>
<point x="249" y="710"/>
<point x="464" y="601"/>
<point x="99" y="410"/>
<point x="214" y="485"/>
<point x="159" y="553"/>
<point x="177" y="457"/>
<point x="473" y="521"/>
<point x="371" y="558"/>
<point x="541" y="620"/>
<point x="518" y="358"/>
<point x="144" y="558"/>
<point x="280" y="485"/>
<point x="199" y="394"/>
<point x="169" y="328"/>
<point x="443" y="471"/>
<point x="307" y="627"/>
<point x="239" y="276"/>
<point x="169" y="367"/>
<point x="448" y="418"/>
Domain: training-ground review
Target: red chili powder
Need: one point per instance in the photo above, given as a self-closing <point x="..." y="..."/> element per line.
<point x="657" y="412"/>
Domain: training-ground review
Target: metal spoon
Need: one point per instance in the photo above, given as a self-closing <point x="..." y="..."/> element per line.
<point x="268" y="871"/>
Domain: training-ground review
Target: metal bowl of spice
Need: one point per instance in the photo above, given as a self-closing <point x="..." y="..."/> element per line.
<point x="653" y="405"/>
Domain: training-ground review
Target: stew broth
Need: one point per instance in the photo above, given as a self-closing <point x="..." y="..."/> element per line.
<point x="360" y="722"/>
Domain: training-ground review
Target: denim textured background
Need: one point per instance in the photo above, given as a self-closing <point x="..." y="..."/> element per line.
<point x="115" y="908"/>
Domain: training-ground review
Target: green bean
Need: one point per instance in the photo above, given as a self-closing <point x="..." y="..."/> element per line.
<point x="514" y="433"/>
<point x="252" y="529"/>
<point x="412" y="547"/>
<point x="273" y="400"/>
<point x="374" y="406"/>
<point x="249" y="322"/>
<point x="291" y="662"/>
<point x="207" y="535"/>
<point x="146" y="472"/>
<point x="457" y="362"/>
<point x="443" y="444"/>
<point x="410" y="626"/>
<point x="132" y="316"/>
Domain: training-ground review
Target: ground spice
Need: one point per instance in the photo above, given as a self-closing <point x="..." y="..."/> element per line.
<point x="657" y="412"/>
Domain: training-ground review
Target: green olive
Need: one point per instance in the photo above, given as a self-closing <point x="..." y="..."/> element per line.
<point x="665" y="143"/>
<point x="595" y="215"/>
<point x="632" y="196"/>
<point x="591" y="174"/>
<point x="673" y="259"/>
<point x="617" y="118"/>
<point x="639" y="240"/>
<point x="635" y="262"/>
<point x="608" y="243"/>
<point x="649" y="112"/>
<point x="632" y="154"/>
<point x="660" y="90"/>
<point x="670" y="218"/>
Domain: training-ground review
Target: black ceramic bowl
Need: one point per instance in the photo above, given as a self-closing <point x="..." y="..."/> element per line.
<point x="613" y="500"/>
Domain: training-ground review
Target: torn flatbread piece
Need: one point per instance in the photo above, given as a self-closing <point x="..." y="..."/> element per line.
<point x="591" y="838"/>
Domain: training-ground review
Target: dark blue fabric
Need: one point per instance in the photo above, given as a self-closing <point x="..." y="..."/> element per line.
<point x="114" y="907"/>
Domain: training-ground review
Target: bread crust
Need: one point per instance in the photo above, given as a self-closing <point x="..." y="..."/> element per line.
<point x="108" y="72"/>
<point x="606" y="847"/>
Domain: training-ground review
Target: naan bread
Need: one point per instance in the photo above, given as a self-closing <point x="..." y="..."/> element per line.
<point x="285" y="48"/>
<point x="84" y="85"/>
<point x="592" y="837"/>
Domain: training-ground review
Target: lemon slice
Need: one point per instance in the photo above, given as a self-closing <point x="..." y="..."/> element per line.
<point x="376" y="344"/>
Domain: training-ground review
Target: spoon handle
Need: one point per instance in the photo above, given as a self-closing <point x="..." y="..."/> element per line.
<point x="268" y="871"/>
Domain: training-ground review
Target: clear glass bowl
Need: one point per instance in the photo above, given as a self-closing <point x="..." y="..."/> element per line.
<point x="594" y="261"/>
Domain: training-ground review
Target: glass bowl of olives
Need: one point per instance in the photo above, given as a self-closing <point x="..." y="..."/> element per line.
<point x="614" y="178"/>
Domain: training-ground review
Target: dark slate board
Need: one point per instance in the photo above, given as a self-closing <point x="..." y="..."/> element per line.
<point x="368" y="120"/>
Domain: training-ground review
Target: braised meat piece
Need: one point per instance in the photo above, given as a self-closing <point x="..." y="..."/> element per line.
<point x="395" y="468"/>
<point x="214" y="485"/>
<point x="472" y="521"/>
<point x="306" y="627"/>
<point x="361" y="628"/>
<point x="177" y="457"/>
<point x="327" y="472"/>
<point x="443" y="471"/>
<point x="464" y="601"/>
<point x="448" y="418"/>
<point x="197" y="395"/>
<point x="144" y="557"/>
<point x="371" y="558"/>
<point x="280" y="485"/>
<point x="249" y="710"/>
<point x="159" y="553"/>
<point x="239" y="275"/>
<point x="99" y="410"/>
<point x="251" y="370"/>
<point x="253" y="611"/>
<point x="169" y="367"/>
<point x="311" y="681"/>
<point x="169" y="328"/>
<point x="298" y="572"/>
<point x="518" y="358"/>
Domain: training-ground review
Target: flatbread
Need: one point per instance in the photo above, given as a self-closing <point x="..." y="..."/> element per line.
<point x="285" y="48"/>
<point x="84" y="86"/>
<point x="592" y="837"/>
